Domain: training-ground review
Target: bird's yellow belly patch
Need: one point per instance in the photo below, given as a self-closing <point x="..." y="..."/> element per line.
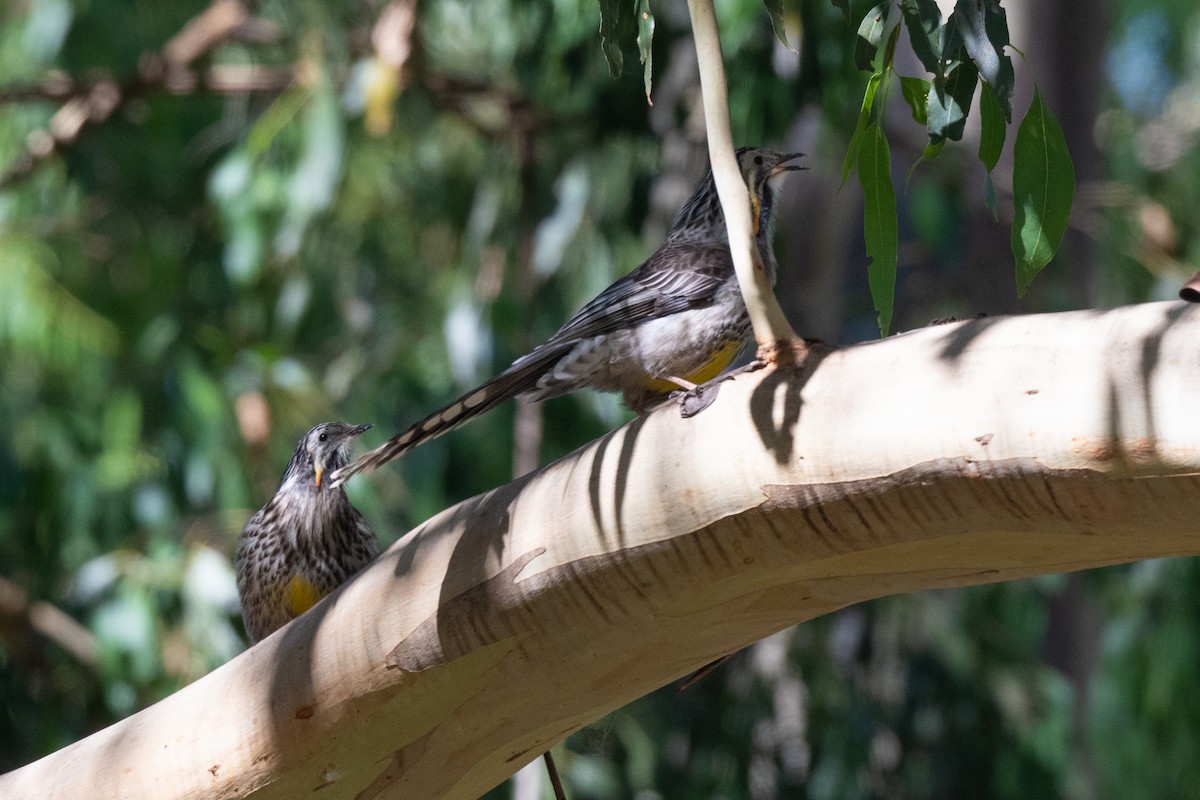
<point x="710" y="369"/>
<point x="301" y="595"/>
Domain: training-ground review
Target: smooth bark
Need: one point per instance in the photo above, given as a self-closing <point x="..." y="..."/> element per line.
<point x="979" y="451"/>
<point x="772" y="330"/>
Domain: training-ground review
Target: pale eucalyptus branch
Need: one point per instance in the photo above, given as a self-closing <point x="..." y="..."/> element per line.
<point x="1004" y="448"/>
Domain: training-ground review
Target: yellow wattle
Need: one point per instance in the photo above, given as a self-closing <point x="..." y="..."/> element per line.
<point x="301" y="595"/>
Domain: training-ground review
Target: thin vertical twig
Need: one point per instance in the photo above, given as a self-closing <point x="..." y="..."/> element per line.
<point x="555" y="781"/>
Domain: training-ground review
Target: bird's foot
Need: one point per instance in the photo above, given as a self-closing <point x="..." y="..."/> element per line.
<point x="683" y="384"/>
<point x="694" y="400"/>
<point x="698" y="398"/>
<point x="783" y="353"/>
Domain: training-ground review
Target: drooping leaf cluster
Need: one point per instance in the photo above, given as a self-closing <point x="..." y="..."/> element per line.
<point x="961" y="53"/>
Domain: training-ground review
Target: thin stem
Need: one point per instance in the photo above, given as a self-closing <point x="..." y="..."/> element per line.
<point x="771" y="327"/>
<point x="555" y="781"/>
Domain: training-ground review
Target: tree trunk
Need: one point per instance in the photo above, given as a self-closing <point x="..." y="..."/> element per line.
<point x="961" y="454"/>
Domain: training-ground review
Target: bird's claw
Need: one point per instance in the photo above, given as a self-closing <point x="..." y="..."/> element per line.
<point x="693" y="401"/>
<point x="698" y="398"/>
<point x="782" y="353"/>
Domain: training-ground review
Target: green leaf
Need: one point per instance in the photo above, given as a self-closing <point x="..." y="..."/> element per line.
<point x="989" y="194"/>
<point x="950" y="42"/>
<point x="40" y="319"/>
<point x="1043" y="188"/>
<point x="932" y="150"/>
<point x="275" y="120"/>
<point x="775" y="12"/>
<point x="844" y="5"/>
<point x="889" y="50"/>
<point x="923" y="19"/>
<point x="992" y="128"/>
<point x="870" y="32"/>
<point x="864" y="118"/>
<point x="645" y="40"/>
<point x="983" y="26"/>
<point x="880" y="228"/>
<point x="950" y="103"/>
<point x="916" y="94"/>
<point x="610" y="18"/>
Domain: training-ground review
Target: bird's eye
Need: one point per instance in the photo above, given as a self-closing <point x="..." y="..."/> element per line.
<point x="322" y="437"/>
<point x="758" y="160"/>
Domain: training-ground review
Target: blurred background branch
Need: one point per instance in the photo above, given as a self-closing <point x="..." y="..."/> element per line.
<point x="21" y="619"/>
<point x="91" y="103"/>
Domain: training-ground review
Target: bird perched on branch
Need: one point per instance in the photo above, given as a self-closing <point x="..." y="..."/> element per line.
<point x="307" y="540"/>
<point x="676" y="321"/>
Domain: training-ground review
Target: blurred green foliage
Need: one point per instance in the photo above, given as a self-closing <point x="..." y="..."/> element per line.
<point x="190" y="285"/>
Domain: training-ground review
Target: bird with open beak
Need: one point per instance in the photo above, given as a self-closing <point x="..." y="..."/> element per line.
<point x="307" y="540"/>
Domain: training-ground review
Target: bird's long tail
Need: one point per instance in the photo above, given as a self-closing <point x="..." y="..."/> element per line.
<point x="520" y="377"/>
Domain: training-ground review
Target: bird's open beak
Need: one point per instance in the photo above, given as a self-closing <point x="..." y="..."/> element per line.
<point x="782" y="166"/>
<point x="319" y="469"/>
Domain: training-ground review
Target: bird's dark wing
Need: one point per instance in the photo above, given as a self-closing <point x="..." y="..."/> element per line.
<point x="679" y="276"/>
